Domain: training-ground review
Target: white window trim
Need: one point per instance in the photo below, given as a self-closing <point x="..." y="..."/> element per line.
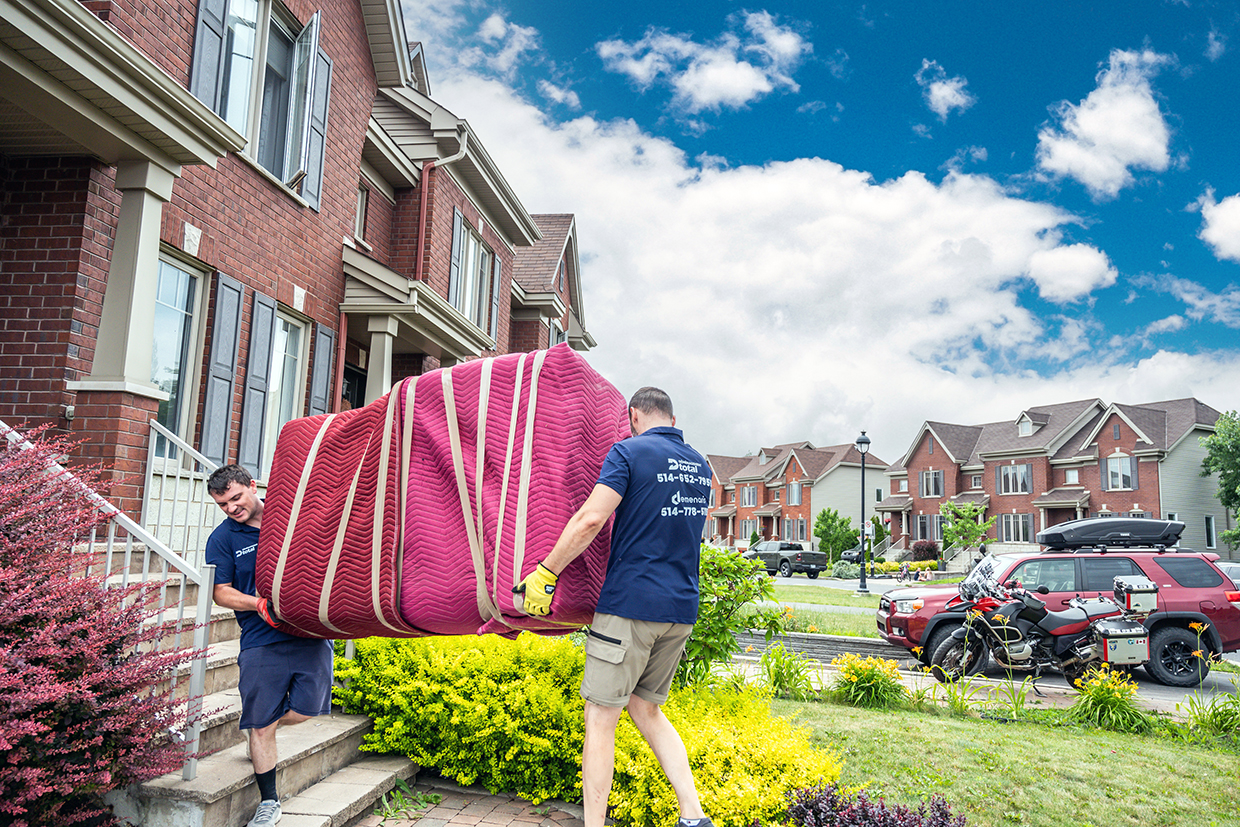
<point x="299" y="389"/>
<point x="198" y="336"/>
<point x="1011" y="479"/>
<point x="1211" y="532"/>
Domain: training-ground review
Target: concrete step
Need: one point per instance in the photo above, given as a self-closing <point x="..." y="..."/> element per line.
<point x="347" y="795"/>
<point x="224" y="795"/>
<point x="221" y="674"/>
<point x="179" y="624"/>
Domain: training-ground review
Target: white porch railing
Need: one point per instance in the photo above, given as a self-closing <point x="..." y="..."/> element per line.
<point x="176" y="507"/>
<point x="122" y="552"/>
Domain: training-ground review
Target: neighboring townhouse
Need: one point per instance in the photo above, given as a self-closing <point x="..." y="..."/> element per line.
<point x="1061" y="462"/>
<point x="221" y="215"/>
<point x="780" y="491"/>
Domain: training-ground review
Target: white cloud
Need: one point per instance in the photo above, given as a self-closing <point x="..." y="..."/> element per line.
<point x="1216" y="44"/>
<point x="1170" y="324"/>
<point x="966" y="155"/>
<point x="1068" y="273"/>
<point x="1202" y="303"/>
<point x="736" y="69"/>
<point x="505" y="46"/>
<point x="1114" y="130"/>
<point x="558" y="94"/>
<point x="943" y="94"/>
<point x="1220" y="225"/>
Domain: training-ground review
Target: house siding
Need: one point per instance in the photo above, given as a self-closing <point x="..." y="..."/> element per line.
<point x="1190" y="495"/>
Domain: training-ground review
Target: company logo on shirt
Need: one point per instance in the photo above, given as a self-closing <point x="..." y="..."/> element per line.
<point x="241" y="552"/>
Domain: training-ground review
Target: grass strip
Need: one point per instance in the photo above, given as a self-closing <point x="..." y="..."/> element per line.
<point x="826" y="597"/>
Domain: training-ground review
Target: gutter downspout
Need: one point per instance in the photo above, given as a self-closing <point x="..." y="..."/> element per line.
<point x="426" y="183"/>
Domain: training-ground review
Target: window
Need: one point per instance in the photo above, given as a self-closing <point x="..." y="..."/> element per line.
<point x="749" y="496"/>
<point x="1119" y="472"/>
<point x="1211" y="540"/>
<point x="1115" y="431"/>
<point x="559" y="281"/>
<point x="1171" y="515"/>
<point x="775" y="493"/>
<point x="931" y="483"/>
<point x="748" y="527"/>
<point x="1025" y="428"/>
<point x="1016" y="528"/>
<point x="1100" y="572"/>
<point x="175" y="300"/>
<point x="1015" y="479"/>
<point x="282" y="108"/>
<point x="794" y="493"/>
<point x="557" y="334"/>
<point x="1072" y="476"/>
<point x="878" y="495"/>
<point x="712" y="498"/>
<point x="474" y="277"/>
<point x="285" y="383"/>
<point x="930" y="444"/>
<point x="902" y="486"/>
<point x="1057" y="575"/>
<point x="975" y="481"/>
<point x="930" y="527"/>
<point x="359" y="217"/>
<point x="800" y="529"/>
<point x="1190" y="572"/>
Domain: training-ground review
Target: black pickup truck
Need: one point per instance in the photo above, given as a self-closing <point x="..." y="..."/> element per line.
<point x="787" y="558"/>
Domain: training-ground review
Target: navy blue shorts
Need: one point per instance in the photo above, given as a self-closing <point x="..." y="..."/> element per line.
<point x="289" y="675"/>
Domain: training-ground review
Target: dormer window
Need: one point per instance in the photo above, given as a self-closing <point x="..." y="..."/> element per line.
<point x="1025" y="428"/>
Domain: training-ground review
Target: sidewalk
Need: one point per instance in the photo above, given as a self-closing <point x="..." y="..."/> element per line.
<point x="475" y="807"/>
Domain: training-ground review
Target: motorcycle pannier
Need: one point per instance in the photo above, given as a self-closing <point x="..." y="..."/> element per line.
<point x="1136" y="594"/>
<point x="1123" y="641"/>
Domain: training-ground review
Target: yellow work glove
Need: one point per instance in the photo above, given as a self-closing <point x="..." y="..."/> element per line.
<point x="538" y="588"/>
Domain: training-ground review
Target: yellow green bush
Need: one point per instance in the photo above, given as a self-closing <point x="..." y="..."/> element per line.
<point x="744" y="760"/>
<point x="507" y="714"/>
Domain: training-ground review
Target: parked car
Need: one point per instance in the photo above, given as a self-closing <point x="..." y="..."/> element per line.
<point x="787" y="558"/>
<point x="1192" y="589"/>
<point x="1232" y="570"/>
<point x="851" y="555"/>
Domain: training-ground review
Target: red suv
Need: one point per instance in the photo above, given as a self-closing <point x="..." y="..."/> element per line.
<point x="1082" y="559"/>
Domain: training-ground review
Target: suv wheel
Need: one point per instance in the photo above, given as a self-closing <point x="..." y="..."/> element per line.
<point x="1172" y="661"/>
<point x="812" y="575"/>
<point x="785" y="568"/>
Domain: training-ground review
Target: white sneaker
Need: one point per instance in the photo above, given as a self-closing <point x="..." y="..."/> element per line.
<point x="267" y="814"/>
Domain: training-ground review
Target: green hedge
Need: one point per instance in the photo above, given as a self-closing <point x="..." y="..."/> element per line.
<point x="507" y="715"/>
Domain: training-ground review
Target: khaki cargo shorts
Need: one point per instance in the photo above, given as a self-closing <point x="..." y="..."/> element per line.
<point x="631" y="657"/>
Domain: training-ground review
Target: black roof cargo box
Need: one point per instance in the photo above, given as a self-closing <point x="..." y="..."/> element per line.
<point x="1122" y="532"/>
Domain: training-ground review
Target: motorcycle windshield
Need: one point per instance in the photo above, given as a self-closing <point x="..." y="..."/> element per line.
<point x="983" y="580"/>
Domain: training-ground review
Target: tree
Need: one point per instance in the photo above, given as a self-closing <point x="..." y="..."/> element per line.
<point x="963" y="525"/>
<point x="880" y="530"/>
<point x="834" y="533"/>
<point x="1223" y="458"/>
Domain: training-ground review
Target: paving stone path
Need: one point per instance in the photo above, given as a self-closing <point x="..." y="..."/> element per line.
<point x="475" y="807"/>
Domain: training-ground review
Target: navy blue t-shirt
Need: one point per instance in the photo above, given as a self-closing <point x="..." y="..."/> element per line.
<point x="664" y="485"/>
<point x="232" y="548"/>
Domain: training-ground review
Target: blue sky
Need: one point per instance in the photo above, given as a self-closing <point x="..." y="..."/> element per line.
<point x="808" y="219"/>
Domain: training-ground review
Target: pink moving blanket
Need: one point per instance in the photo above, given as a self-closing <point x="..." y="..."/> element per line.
<point x="388" y="520"/>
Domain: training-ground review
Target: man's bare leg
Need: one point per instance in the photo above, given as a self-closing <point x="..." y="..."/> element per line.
<point x="598" y="760"/>
<point x="669" y="749"/>
<point x="263" y="741"/>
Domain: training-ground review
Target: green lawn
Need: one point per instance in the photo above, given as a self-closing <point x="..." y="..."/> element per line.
<point x="832" y="597"/>
<point x="998" y="774"/>
<point x="833" y="623"/>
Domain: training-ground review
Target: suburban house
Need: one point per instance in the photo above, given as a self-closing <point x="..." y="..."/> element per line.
<point x="222" y="215"/>
<point x="778" y="492"/>
<point x="1061" y="462"/>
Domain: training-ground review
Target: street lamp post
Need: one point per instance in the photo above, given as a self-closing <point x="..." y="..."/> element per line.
<point x="863" y="446"/>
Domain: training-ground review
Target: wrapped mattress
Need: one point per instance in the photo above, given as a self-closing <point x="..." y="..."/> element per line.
<point x="417" y="514"/>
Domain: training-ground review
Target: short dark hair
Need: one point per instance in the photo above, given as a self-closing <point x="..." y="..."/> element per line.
<point x="650" y="400"/>
<point x="225" y="475"/>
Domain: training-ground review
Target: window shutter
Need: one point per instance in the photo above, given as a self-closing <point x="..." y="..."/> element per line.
<point x="1135" y="462"/>
<point x="454" y="268"/>
<point x="321" y="375"/>
<point x="495" y="282"/>
<point x="257" y="377"/>
<point x="221" y="369"/>
<point x="316" y="137"/>
<point x="204" y="81"/>
<point x="1106" y="482"/>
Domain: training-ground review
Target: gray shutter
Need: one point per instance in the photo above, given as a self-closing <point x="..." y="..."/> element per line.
<point x="204" y="76"/>
<point x="495" y="282"/>
<point x="1102" y="467"/>
<point x="1135" y="463"/>
<point x="217" y="397"/>
<point x="312" y="188"/>
<point x="257" y="377"/>
<point x="322" y="376"/>
<point x="454" y="269"/>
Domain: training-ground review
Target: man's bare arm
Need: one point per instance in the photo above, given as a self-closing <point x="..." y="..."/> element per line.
<point x="235" y="599"/>
<point x="582" y="527"/>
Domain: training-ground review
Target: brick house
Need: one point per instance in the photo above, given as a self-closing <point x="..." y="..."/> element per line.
<point x="778" y="492"/>
<point x="1061" y="462"/>
<point x="220" y="249"/>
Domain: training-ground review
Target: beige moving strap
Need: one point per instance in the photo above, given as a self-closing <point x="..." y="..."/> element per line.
<point x="376" y="540"/>
<point x="523" y="491"/>
<point x="278" y="578"/>
<point x="486" y="609"/>
<point x="406" y="451"/>
<point x="518" y="383"/>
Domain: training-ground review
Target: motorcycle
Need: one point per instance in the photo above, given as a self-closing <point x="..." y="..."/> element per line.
<point x="1021" y="634"/>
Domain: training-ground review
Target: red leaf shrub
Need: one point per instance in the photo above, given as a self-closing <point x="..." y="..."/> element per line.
<point x="77" y="715"/>
<point x="925" y="550"/>
<point x="828" y="807"/>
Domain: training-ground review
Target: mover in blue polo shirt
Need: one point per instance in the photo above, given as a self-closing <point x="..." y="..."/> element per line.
<point x="657" y="486"/>
<point x="283" y="679"/>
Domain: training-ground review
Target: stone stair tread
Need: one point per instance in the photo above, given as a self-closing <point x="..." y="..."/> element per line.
<point x="228" y="770"/>
<point x="347" y="793"/>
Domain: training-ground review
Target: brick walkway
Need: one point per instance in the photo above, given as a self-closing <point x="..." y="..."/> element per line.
<point x="475" y="807"/>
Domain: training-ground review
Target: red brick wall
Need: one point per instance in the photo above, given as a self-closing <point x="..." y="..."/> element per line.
<point x="1017" y="503"/>
<point x="162" y="29"/>
<point x="379" y="215"/>
<point x="527" y="335"/>
<point x="794" y="473"/>
<point x="57" y="226"/>
<point x="1145" y="496"/>
<point x="923" y="459"/>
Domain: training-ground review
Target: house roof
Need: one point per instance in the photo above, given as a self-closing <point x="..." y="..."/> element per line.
<point x="895" y="502"/>
<point x="968" y="444"/>
<point x="1063" y="497"/>
<point x="725" y="468"/>
<point x="725" y="511"/>
<point x="535" y="267"/>
<point x="768" y="510"/>
<point x="971" y="498"/>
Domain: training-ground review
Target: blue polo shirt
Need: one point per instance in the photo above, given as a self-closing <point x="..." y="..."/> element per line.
<point x="232" y="549"/>
<point x="664" y="485"/>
